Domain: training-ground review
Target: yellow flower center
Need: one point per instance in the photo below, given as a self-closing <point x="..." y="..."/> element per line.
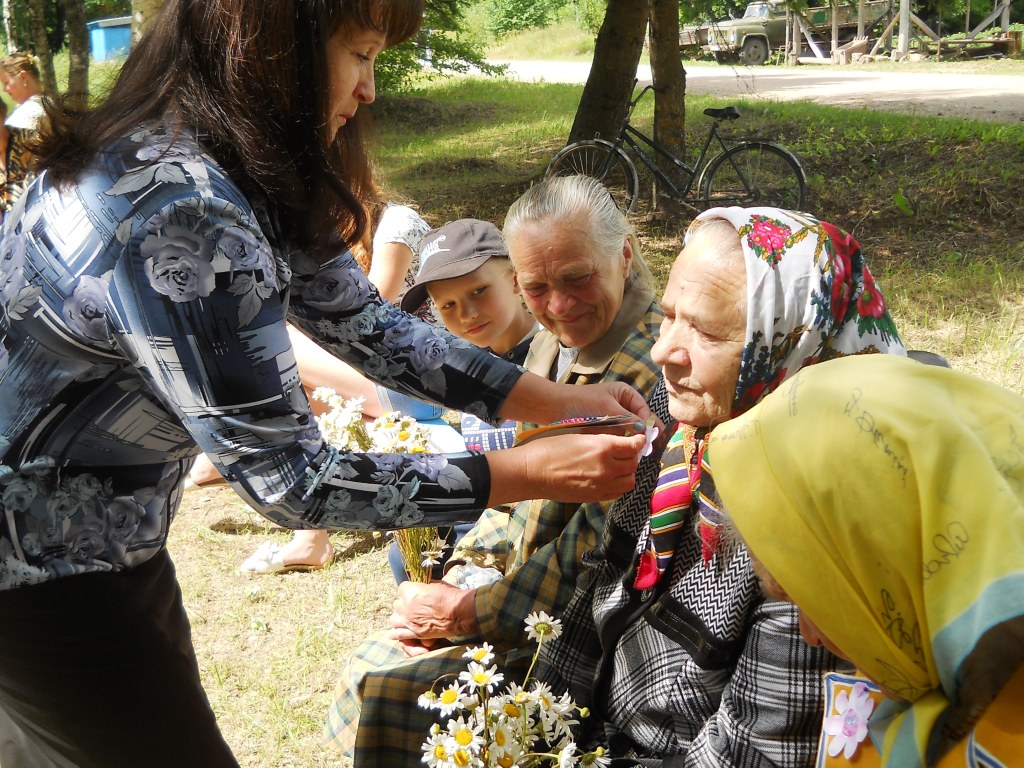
<point x="505" y="761"/>
<point x="499" y="738"/>
<point x="464" y="737"/>
<point x="440" y="752"/>
<point x="542" y="628"/>
<point x="480" y="654"/>
<point x="449" y="696"/>
<point x="512" y="710"/>
<point x="403" y="435"/>
<point x="481" y="677"/>
<point x="461" y="758"/>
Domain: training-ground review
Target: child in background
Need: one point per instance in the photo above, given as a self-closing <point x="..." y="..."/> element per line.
<point x="466" y="272"/>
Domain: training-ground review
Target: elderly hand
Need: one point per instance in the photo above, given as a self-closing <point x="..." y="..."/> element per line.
<point x="572" y="468"/>
<point x="424" y="612"/>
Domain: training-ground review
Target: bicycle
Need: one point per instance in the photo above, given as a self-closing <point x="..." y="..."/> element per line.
<point x="747" y="172"/>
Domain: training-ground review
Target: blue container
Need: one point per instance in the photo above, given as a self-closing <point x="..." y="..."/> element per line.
<point x="110" y="38"/>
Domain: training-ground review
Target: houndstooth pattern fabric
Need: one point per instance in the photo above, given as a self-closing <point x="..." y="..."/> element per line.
<point x="703" y="671"/>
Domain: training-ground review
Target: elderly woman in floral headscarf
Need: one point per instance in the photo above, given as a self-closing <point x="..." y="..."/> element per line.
<point x="669" y="639"/>
<point x="904" y="549"/>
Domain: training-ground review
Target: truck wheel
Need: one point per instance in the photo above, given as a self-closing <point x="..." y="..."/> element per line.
<point x="755" y="52"/>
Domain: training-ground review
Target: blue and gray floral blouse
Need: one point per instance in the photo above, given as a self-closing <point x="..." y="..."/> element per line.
<point x="143" y="321"/>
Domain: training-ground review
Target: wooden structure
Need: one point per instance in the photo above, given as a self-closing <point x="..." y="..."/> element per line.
<point x="898" y="18"/>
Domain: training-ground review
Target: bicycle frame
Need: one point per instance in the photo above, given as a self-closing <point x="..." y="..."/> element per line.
<point x="742" y="180"/>
<point x="629" y="135"/>
<point x="626" y="136"/>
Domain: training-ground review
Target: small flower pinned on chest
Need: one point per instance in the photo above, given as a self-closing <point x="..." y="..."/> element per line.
<point x="849" y="727"/>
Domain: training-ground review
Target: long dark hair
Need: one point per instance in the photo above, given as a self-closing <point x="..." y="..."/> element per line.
<point x="251" y="78"/>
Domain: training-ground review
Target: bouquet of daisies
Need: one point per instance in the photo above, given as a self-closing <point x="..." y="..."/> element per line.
<point x="522" y="725"/>
<point x="344" y="426"/>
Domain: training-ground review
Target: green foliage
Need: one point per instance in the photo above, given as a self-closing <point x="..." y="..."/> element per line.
<point x="903" y="204"/>
<point x="55" y="25"/>
<point x="442" y="47"/>
<point x="516" y="15"/>
<point x="696" y="11"/>
<point x="106" y="9"/>
<point x="590" y="13"/>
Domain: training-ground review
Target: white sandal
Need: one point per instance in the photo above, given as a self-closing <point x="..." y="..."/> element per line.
<point x="269" y="558"/>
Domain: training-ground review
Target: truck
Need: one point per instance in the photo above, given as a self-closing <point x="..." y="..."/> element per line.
<point x="762" y="29"/>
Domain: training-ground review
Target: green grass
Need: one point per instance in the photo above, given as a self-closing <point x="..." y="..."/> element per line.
<point x="562" y="41"/>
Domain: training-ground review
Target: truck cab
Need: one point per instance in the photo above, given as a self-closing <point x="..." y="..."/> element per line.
<point x="751" y="38"/>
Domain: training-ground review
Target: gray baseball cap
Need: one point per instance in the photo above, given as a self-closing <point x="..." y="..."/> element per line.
<point x="454" y="250"/>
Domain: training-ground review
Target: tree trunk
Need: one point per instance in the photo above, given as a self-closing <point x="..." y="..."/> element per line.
<point x="77" y="96"/>
<point x="37" y="15"/>
<point x="669" y="82"/>
<point x="9" y="33"/>
<point x="610" y="83"/>
<point x="143" y="13"/>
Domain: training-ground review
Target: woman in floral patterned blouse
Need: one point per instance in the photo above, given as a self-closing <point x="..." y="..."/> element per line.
<point x="145" y="285"/>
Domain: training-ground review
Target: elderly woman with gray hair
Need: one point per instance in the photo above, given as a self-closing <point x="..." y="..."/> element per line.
<point x="579" y="270"/>
<point x="668" y="639"/>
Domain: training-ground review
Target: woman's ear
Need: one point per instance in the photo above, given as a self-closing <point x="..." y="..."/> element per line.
<point x="627" y="254"/>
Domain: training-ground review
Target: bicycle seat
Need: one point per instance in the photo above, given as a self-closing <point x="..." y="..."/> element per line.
<point x="729" y="113"/>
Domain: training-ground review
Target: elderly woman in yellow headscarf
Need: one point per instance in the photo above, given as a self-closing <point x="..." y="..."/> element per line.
<point x="897" y="492"/>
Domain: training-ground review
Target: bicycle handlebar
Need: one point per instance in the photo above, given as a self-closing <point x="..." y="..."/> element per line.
<point x="634" y="102"/>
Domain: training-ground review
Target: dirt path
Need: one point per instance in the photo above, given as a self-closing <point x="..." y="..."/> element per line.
<point x="976" y="95"/>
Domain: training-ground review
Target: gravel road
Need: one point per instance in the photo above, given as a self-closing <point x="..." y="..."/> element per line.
<point x="980" y="96"/>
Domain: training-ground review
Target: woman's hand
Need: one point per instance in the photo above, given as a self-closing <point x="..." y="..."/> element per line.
<point x="537" y="400"/>
<point x="604" y="399"/>
<point x="572" y="468"/>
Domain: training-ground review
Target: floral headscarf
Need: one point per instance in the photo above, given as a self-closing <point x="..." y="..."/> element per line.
<point x="810" y="298"/>
<point x="896" y="492"/>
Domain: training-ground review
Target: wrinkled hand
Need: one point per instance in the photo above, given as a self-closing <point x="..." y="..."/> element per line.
<point x="571" y="468"/>
<point x="413" y="648"/>
<point x="424" y="612"/>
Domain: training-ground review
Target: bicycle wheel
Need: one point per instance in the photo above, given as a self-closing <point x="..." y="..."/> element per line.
<point x="602" y="161"/>
<point x="755" y="173"/>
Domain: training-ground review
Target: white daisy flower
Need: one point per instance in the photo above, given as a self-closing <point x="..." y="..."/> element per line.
<point x="599" y="758"/>
<point x="450" y="699"/>
<point x="430" y="560"/>
<point x="503" y="740"/>
<point x="567" y="757"/>
<point x="480" y="677"/>
<point x="435" y="751"/>
<point x="540" y="626"/>
<point x="465" y="735"/>
<point x="483" y="654"/>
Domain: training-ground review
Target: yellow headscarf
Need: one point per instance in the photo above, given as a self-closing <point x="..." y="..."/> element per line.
<point x="887" y="499"/>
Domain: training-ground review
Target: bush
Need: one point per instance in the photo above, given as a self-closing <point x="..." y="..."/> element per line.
<point x="518" y="15"/>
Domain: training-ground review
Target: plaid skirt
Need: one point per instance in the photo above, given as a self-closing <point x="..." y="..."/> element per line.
<point x="375" y="719"/>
